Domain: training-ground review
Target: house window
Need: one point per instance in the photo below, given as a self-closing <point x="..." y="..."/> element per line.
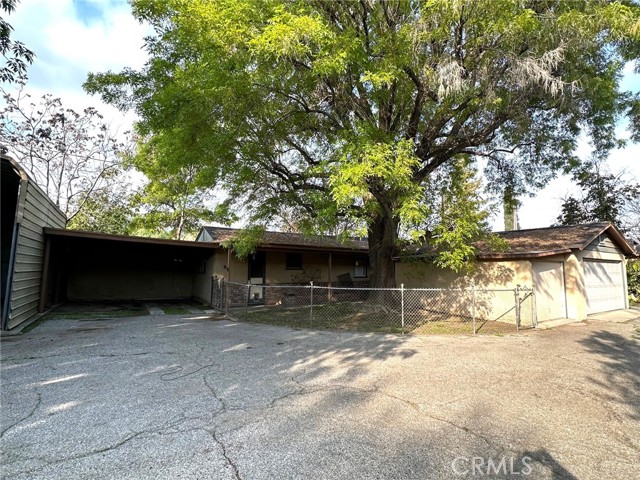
<point x="293" y="261"/>
<point x="360" y="268"/>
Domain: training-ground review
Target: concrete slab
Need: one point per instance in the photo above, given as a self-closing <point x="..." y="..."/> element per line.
<point x="179" y="397"/>
<point x="154" y="309"/>
<point x="555" y="323"/>
<point x="617" y="316"/>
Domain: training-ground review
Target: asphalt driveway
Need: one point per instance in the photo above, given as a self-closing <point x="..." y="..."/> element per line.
<point x="187" y="397"/>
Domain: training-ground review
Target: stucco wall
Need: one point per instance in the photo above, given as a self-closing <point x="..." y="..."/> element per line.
<point x="105" y="284"/>
<point x="201" y="286"/>
<point x="504" y="274"/>
<point x="315" y="267"/>
<point x="489" y="305"/>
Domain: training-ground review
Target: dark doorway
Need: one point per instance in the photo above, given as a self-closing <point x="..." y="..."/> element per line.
<point x="257" y="269"/>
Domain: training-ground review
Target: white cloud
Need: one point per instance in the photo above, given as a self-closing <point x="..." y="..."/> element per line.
<point x="68" y="47"/>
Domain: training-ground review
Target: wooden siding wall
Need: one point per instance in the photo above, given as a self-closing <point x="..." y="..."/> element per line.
<point x="35" y="211"/>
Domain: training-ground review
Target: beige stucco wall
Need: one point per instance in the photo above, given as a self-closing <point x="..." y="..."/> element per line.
<point x="315" y="267"/>
<point x="105" y="284"/>
<point x="503" y="274"/>
<point x="488" y="278"/>
<point x="201" y="286"/>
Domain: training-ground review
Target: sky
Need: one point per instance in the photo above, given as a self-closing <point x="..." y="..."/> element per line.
<point x="74" y="37"/>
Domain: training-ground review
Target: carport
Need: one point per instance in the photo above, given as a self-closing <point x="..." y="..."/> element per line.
<point x="87" y="266"/>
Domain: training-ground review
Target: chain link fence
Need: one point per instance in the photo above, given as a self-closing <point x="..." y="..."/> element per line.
<point x="389" y="310"/>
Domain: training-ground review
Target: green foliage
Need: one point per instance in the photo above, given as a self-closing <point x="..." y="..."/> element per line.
<point x="462" y="217"/>
<point x="246" y="241"/>
<point x="16" y="55"/>
<point x="604" y="199"/>
<point x="171" y="204"/>
<point x="343" y="113"/>
<point x="633" y="280"/>
<point x="106" y="212"/>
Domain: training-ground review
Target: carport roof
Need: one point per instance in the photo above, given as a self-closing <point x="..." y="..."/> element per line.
<point x="64" y="233"/>
<point x="543" y="242"/>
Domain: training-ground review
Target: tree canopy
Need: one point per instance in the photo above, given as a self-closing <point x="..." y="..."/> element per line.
<point x="73" y="156"/>
<point x="351" y="110"/>
<point x="604" y="197"/>
<point x="16" y="55"/>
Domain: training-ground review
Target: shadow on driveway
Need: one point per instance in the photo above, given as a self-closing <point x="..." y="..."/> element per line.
<point x="620" y="362"/>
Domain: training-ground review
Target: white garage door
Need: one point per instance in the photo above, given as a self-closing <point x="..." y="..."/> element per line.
<point x="604" y="285"/>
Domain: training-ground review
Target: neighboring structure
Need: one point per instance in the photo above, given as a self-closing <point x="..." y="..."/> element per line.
<point x="26" y="210"/>
<point x="287" y="258"/>
<point x="575" y="270"/>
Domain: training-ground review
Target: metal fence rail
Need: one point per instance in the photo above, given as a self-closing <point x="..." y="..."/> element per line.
<point x="392" y="310"/>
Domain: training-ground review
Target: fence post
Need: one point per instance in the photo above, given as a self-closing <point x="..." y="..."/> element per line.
<point x="516" y="293"/>
<point x="225" y="287"/>
<point x="402" y="306"/>
<point x="534" y="307"/>
<point x="473" y="307"/>
<point x="247" y="298"/>
<point x="311" y="309"/>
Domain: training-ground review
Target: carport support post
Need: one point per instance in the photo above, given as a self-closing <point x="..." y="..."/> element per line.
<point x="402" y="306"/>
<point x="311" y="309"/>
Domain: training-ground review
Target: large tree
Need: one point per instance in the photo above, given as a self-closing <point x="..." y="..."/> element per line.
<point x="350" y="109"/>
<point x="604" y="197"/>
<point x="72" y="156"/>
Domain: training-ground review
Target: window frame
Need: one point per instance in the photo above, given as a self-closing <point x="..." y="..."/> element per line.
<point x="364" y="266"/>
<point x="288" y="265"/>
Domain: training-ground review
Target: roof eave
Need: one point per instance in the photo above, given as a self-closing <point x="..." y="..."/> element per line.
<point x="64" y="233"/>
<point x="612" y="230"/>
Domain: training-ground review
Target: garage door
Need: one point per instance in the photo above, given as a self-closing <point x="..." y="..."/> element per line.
<point x="604" y="285"/>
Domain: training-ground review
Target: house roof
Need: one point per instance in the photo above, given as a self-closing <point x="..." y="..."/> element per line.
<point x="544" y="242"/>
<point x="292" y="241"/>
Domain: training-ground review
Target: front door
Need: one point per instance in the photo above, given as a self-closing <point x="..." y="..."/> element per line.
<point x="257" y="269"/>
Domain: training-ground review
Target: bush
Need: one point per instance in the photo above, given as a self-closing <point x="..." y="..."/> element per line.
<point x="633" y="281"/>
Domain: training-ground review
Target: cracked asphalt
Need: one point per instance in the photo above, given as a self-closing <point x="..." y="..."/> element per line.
<point x="188" y="397"/>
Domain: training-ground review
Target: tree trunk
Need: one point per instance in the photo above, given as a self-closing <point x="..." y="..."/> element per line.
<point x="383" y="235"/>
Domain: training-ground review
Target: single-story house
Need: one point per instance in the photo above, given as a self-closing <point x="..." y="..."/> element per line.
<point x="575" y="271"/>
<point x="26" y="210"/>
<point x="287" y="258"/>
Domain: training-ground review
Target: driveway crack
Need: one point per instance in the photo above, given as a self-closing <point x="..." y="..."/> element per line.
<point x="25" y="418"/>
<point x="225" y="454"/>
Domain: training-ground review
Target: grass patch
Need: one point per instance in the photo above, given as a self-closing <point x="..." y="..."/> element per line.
<point x="174" y="310"/>
<point x="367" y="317"/>
<point x="92" y="312"/>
